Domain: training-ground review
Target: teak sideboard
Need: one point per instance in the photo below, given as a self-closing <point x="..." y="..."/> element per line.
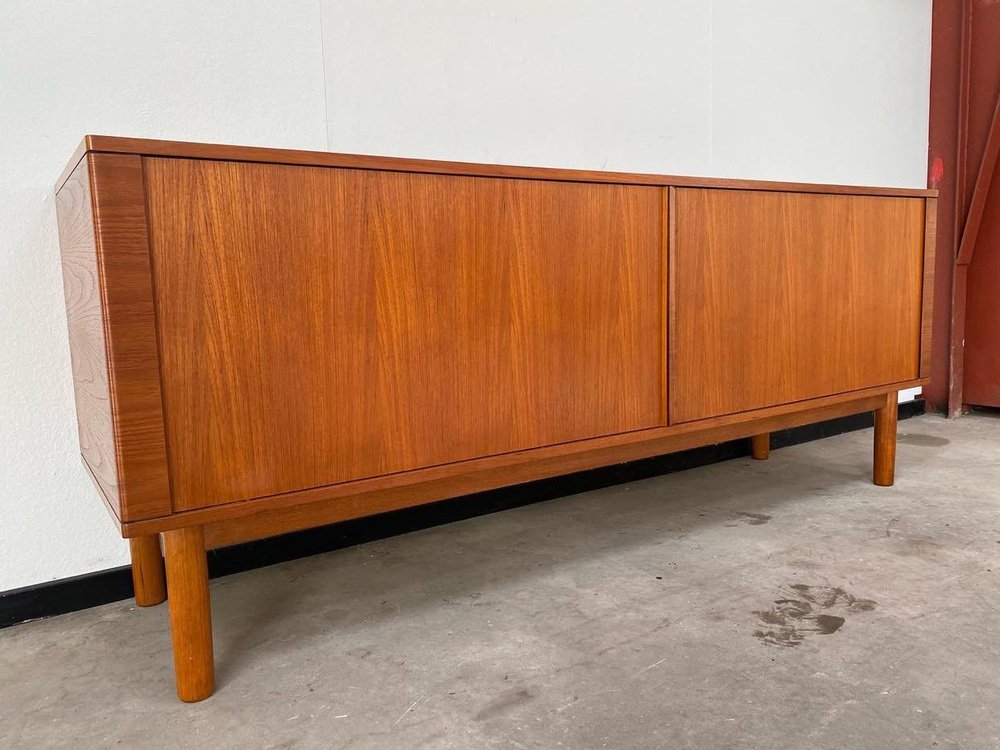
<point x="266" y="340"/>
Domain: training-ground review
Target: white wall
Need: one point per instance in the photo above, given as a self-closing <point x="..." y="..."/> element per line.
<point x="221" y="70"/>
<point x="821" y="90"/>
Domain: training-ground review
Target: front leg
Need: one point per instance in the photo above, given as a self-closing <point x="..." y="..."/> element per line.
<point x="190" y="613"/>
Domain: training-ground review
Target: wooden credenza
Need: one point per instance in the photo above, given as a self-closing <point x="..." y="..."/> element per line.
<point x="266" y="340"/>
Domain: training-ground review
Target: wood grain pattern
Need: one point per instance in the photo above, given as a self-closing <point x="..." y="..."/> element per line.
<point x="665" y="304"/>
<point x="178" y="149"/>
<point x="323" y="325"/>
<point x="783" y="297"/>
<point x="87" y="345"/>
<point x="232" y="529"/>
<point x="130" y="333"/>
<point x="389" y="315"/>
<point x="148" y="575"/>
<point x="927" y="305"/>
<point x="886" y="417"/>
<point x="190" y="613"/>
<point x="581" y="454"/>
<point x="671" y="295"/>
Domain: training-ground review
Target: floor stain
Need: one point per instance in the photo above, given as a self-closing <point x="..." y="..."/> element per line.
<point x="503" y="703"/>
<point x="749" y="519"/>
<point x="806" y="610"/>
<point x="923" y="441"/>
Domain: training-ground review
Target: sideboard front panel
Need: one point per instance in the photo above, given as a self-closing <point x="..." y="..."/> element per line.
<point x="781" y="297"/>
<point x="319" y="325"/>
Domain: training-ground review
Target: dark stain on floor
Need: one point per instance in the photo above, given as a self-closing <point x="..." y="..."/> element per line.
<point x="808" y="610"/>
<point x="923" y="441"/>
<point x="737" y="517"/>
<point x="749" y="519"/>
<point x="506" y="701"/>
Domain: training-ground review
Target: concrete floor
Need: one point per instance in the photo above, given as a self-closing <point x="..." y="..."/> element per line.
<point x="784" y="604"/>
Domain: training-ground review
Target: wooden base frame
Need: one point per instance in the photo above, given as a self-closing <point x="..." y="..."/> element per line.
<point x="187" y="569"/>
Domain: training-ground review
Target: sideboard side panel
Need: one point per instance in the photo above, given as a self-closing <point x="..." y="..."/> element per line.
<point x="87" y="343"/>
<point x="130" y="330"/>
<point x="782" y="297"/>
<point x="321" y="325"/>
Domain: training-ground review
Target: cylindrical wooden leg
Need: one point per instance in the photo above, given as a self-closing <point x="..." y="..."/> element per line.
<point x="760" y="446"/>
<point x="885" y="442"/>
<point x="190" y="613"/>
<point x="147" y="570"/>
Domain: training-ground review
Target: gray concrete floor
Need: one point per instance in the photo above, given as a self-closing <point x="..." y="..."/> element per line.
<point x="779" y="604"/>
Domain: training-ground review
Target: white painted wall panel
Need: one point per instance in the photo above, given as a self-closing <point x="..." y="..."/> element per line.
<point x="831" y="90"/>
<point x="814" y="91"/>
<point x="245" y="72"/>
<point x="566" y="83"/>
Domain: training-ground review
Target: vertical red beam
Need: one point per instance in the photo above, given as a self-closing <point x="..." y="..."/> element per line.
<point x="965" y="83"/>
<point x="945" y="154"/>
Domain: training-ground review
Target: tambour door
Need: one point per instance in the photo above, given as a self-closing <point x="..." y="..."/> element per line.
<point x="319" y="325"/>
<point x="781" y="297"/>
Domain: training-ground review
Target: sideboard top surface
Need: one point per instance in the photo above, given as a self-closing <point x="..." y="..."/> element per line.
<point x="185" y="150"/>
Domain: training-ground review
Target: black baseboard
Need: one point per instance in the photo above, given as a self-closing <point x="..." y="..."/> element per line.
<point x="93" y="589"/>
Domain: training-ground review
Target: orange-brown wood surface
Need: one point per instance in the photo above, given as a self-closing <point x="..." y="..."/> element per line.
<point x="227" y="525"/>
<point x="190" y="613"/>
<point x="319" y="325"/>
<point x="927" y="308"/>
<point x="783" y="297"/>
<point x="87" y="347"/>
<point x="148" y="576"/>
<point x="884" y="466"/>
<point x="123" y="250"/>
<point x="123" y="390"/>
<point x="760" y="446"/>
<point x="450" y="479"/>
<point x="226" y="152"/>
